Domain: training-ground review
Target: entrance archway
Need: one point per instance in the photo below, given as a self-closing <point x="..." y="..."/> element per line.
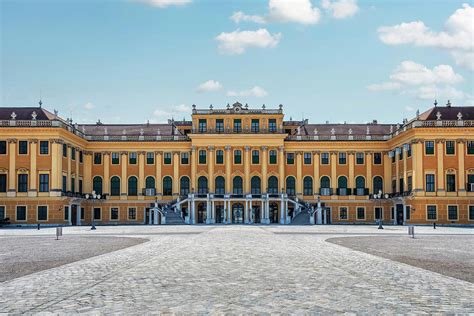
<point x="237" y="213"/>
<point x="219" y="214"/>
<point x="202" y="213"/>
<point x="256" y="214"/>
<point x="273" y="213"/>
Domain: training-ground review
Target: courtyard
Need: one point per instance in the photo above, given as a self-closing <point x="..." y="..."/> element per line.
<point x="237" y="269"/>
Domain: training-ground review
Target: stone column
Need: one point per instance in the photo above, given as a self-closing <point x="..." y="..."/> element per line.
<point x="12" y="174"/>
<point x="210" y="169"/>
<point x="417" y="167"/>
<point x="333" y="171"/>
<point x="76" y="160"/>
<point x="350" y="181"/>
<point x="141" y="174"/>
<point x="87" y="169"/>
<point x="405" y="175"/>
<point x="282" y="209"/>
<point x="193" y="168"/>
<point x="368" y="163"/>
<point x="228" y="170"/>
<point x="281" y="167"/>
<point x="461" y="167"/>
<point x="316" y="171"/>
<point x="69" y="168"/>
<point x="397" y="170"/>
<point x="246" y="212"/>
<point x="159" y="181"/>
<point x="247" y="169"/>
<point x="387" y="170"/>
<point x="299" y="173"/>
<point x="106" y="166"/>
<point x="440" y="170"/>
<point x="33" y="169"/>
<point x="123" y="179"/>
<point x="264" y="163"/>
<point x="56" y="166"/>
<point x="176" y="174"/>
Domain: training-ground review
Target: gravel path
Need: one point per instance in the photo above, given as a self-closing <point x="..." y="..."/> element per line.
<point x="449" y="255"/>
<point x="20" y="256"/>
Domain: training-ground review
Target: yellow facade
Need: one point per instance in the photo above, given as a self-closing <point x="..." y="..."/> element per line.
<point x="237" y="165"/>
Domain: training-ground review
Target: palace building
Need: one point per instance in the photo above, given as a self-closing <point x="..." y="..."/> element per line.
<point x="236" y="165"/>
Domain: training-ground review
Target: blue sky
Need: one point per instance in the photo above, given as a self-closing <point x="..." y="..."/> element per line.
<point x="336" y="60"/>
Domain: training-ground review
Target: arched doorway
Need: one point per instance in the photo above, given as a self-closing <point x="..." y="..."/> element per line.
<point x="237" y="213"/>
<point x="219" y="213"/>
<point x="273" y="213"/>
<point x="256" y="214"/>
<point x="202" y="213"/>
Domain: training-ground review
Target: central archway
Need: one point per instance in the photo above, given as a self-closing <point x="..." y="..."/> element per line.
<point x="237" y="213"/>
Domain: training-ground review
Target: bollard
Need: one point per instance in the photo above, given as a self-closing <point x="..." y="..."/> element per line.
<point x="434" y="225"/>
<point x="59" y="232"/>
<point x="38" y="226"/>
<point x="411" y="231"/>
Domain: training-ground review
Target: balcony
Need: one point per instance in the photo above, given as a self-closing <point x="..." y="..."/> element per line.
<point x="361" y="191"/>
<point x="343" y="191"/>
<point x="325" y="191"/>
<point x="149" y="192"/>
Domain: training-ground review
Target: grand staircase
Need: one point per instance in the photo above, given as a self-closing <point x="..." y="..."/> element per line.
<point x="301" y="219"/>
<point x="173" y="217"/>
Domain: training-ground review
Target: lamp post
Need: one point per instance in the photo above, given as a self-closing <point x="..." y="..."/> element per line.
<point x="378" y="197"/>
<point x="93" y="196"/>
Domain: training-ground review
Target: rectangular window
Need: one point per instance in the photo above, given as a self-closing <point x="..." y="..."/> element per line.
<point x="80" y="187"/>
<point x="83" y="213"/>
<point x="401" y="183"/>
<point x="3" y="147"/>
<point x="378" y="213"/>
<point x="64" y="150"/>
<point x="150" y="158"/>
<point x="237" y="157"/>
<point x="3" y="182"/>
<point x="64" y="183"/>
<point x="377" y="158"/>
<point x="202" y="157"/>
<point x="452" y="212"/>
<point x="360" y="213"/>
<point x="430" y="182"/>
<point x="343" y="213"/>
<point x="325" y="158"/>
<point x="132" y="213"/>
<point x="342" y="158"/>
<point x="307" y="158"/>
<point x="360" y="158"/>
<point x="407" y="211"/>
<point x="132" y="158"/>
<point x="429" y="147"/>
<point x="66" y="213"/>
<point x="97" y="213"/>
<point x="42" y="213"/>
<point x="273" y="157"/>
<point x="471" y="213"/>
<point x="451" y="183"/>
<point x="450" y="147"/>
<point x="394" y="185"/>
<point x="167" y="158"/>
<point x="202" y="126"/>
<point x="219" y="125"/>
<point x="21" y="213"/>
<point x="410" y="183"/>
<point x="44" y="182"/>
<point x="470" y="147"/>
<point x="23" y="182"/>
<point x="408" y="150"/>
<point x="184" y="158"/>
<point x="255" y="126"/>
<point x="272" y="125"/>
<point x="114" y="213"/>
<point x="237" y="126"/>
<point x="219" y="157"/>
<point x="2" y="212"/>
<point x="81" y="156"/>
<point x="290" y="158"/>
<point x="400" y="154"/>
<point x="23" y="147"/>
<point x="44" y="147"/>
<point x="431" y="212"/>
<point x="73" y="185"/>
<point x="115" y="158"/>
<point x="73" y="153"/>
<point x="255" y="157"/>
<point x="97" y="158"/>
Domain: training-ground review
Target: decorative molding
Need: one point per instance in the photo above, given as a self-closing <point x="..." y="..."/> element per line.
<point x="227" y="148"/>
<point x="141" y="153"/>
<point x="210" y="148"/>
<point x="33" y="141"/>
<point x="158" y="153"/>
<point x="264" y="148"/>
<point x="247" y="148"/>
<point x="12" y="140"/>
<point x="440" y="140"/>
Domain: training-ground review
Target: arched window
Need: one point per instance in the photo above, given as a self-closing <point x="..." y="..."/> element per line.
<point x="97" y="185"/>
<point x="342" y="185"/>
<point x="184" y="186"/>
<point x="220" y="185"/>
<point x="325" y="182"/>
<point x="150" y="182"/>
<point x="167" y="186"/>
<point x="290" y="186"/>
<point x="360" y="182"/>
<point x="255" y="185"/>
<point x="202" y="185"/>
<point x="308" y="186"/>
<point x="132" y="186"/>
<point x="237" y="185"/>
<point x="115" y="186"/>
<point x="378" y="184"/>
<point x="273" y="185"/>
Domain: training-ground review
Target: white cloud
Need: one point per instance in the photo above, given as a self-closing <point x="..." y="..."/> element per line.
<point x="298" y="11"/>
<point x="89" y="106"/>
<point x="256" y="91"/>
<point x="163" y="113"/>
<point x="239" y="16"/>
<point x="434" y="92"/>
<point x="409" y="108"/>
<point x="209" y="86"/>
<point x="411" y="73"/>
<point x="235" y="43"/>
<point x="456" y="38"/>
<point x="165" y="3"/>
<point x="341" y="9"/>
<point x="384" y="86"/>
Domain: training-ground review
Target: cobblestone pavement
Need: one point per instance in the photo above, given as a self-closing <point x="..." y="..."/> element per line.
<point x="238" y="269"/>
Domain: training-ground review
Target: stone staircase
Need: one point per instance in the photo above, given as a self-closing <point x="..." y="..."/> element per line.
<point x="301" y="219"/>
<point x="174" y="217"/>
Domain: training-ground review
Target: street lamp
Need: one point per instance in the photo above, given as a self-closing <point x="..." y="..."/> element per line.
<point x="378" y="197"/>
<point x="93" y="196"/>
